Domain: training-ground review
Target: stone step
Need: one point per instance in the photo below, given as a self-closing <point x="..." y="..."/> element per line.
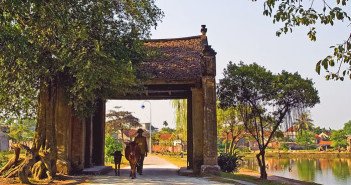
<point x="97" y="170"/>
<point x="183" y="171"/>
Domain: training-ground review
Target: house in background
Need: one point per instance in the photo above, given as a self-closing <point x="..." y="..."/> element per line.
<point x="4" y="139"/>
<point x="290" y="133"/>
<point x="325" y="145"/>
<point x="322" y="137"/>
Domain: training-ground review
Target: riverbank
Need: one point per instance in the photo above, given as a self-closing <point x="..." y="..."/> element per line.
<point x="311" y="154"/>
<point x="244" y="176"/>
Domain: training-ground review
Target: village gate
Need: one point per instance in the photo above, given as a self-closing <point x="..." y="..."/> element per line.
<point x="184" y="68"/>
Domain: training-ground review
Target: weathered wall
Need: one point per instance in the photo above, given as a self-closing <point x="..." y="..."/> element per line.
<point x="198" y="123"/>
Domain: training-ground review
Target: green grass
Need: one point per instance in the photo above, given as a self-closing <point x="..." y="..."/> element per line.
<point x="256" y="180"/>
<point x="4" y="157"/>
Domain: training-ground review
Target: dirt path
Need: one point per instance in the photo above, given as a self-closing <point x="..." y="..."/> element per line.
<point x="156" y="171"/>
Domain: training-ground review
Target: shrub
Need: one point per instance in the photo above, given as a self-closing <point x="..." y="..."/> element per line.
<point x="3" y="158"/>
<point x="284" y="147"/>
<point x="229" y="162"/>
<point x="111" y="145"/>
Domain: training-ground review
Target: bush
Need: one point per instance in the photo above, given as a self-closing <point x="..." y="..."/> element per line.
<point x="111" y="145"/>
<point x="229" y="162"/>
<point x="284" y="147"/>
<point x="3" y="158"/>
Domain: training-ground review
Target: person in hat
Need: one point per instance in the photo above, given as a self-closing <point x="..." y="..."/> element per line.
<point x="141" y="141"/>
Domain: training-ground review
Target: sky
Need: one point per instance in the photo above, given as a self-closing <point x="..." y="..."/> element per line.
<point x="238" y="31"/>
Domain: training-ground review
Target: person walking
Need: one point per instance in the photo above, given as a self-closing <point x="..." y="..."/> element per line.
<point x="141" y="141"/>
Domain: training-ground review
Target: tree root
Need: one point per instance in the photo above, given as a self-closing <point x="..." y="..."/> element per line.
<point x="36" y="165"/>
<point x="13" y="161"/>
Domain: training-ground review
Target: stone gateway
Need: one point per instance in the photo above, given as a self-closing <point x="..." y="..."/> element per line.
<point x="183" y="68"/>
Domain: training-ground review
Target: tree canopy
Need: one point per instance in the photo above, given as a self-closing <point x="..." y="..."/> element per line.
<point x="119" y="121"/>
<point x="88" y="46"/>
<point x="264" y="100"/>
<point x="298" y="13"/>
<point x="78" y="51"/>
<point x="304" y="122"/>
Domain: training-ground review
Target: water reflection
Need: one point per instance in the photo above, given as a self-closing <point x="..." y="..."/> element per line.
<point x="324" y="171"/>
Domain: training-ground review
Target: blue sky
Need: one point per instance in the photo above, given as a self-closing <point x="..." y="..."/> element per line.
<point x="238" y="31"/>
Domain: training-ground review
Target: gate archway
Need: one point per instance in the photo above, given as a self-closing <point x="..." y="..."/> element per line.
<point x="184" y="68"/>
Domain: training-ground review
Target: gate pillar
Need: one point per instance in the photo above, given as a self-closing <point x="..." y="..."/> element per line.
<point x="197" y="134"/>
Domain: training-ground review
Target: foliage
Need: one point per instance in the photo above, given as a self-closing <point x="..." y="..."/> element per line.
<point x="284" y="146"/>
<point x="229" y="162"/>
<point x="181" y="116"/>
<point x="22" y="130"/>
<point x="347" y="128"/>
<point x="3" y="158"/>
<point x="338" y="138"/>
<point x="88" y="46"/>
<point x="111" y="145"/>
<point x="165" y="124"/>
<point x="167" y="130"/>
<point x="298" y="13"/>
<point x="79" y="51"/>
<point x="229" y="124"/>
<point x="305" y="138"/>
<point x="264" y="100"/>
<point x="304" y="122"/>
<point x="319" y="130"/>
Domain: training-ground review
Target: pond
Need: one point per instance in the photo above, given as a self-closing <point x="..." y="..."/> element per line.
<point x="335" y="171"/>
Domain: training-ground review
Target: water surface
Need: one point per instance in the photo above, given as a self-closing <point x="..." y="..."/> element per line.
<point x="335" y="171"/>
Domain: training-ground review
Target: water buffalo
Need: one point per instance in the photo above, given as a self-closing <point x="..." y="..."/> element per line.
<point x="133" y="155"/>
<point x="117" y="156"/>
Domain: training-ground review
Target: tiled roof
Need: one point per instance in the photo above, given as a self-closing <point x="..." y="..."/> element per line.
<point x="175" y="59"/>
<point x="325" y="143"/>
<point x="130" y="132"/>
<point x="290" y="129"/>
<point x="165" y="136"/>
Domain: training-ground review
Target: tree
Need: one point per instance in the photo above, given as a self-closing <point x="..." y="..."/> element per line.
<point x="318" y="130"/>
<point x="264" y="100"/>
<point x="304" y="122"/>
<point x="22" y="131"/>
<point x="165" y="124"/>
<point x="347" y="128"/>
<point x="228" y="123"/>
<point x="305" y="138"/>
<point x="119" y="121"/>
<point x="338" y="138"/>
<point x="181" y="116"/>
<point x="300" y="13"/>
<point x="85" y="50"/>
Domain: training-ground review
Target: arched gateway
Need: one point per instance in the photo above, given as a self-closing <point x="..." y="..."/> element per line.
<point x="185" y="68"/>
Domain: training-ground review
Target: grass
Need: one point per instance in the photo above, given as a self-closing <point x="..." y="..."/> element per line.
<point x="176" y="160"/>
<point x="256" y="180"/>
<point x="249" y="178"/>
<point x="233" y="178"/>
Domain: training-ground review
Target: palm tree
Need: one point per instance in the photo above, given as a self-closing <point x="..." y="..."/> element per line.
<point x="304" y="122"/>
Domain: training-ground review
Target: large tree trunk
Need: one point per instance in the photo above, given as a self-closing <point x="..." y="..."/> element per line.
<point x="41" y="158"/>
<point x="262" y="163"/>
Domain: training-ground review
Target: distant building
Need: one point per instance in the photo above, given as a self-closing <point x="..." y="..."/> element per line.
<point x="325" y="145"/>
<point x="290" y="133"/>
<point x="4" y="141"/>
<point x="322" y="137"/>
